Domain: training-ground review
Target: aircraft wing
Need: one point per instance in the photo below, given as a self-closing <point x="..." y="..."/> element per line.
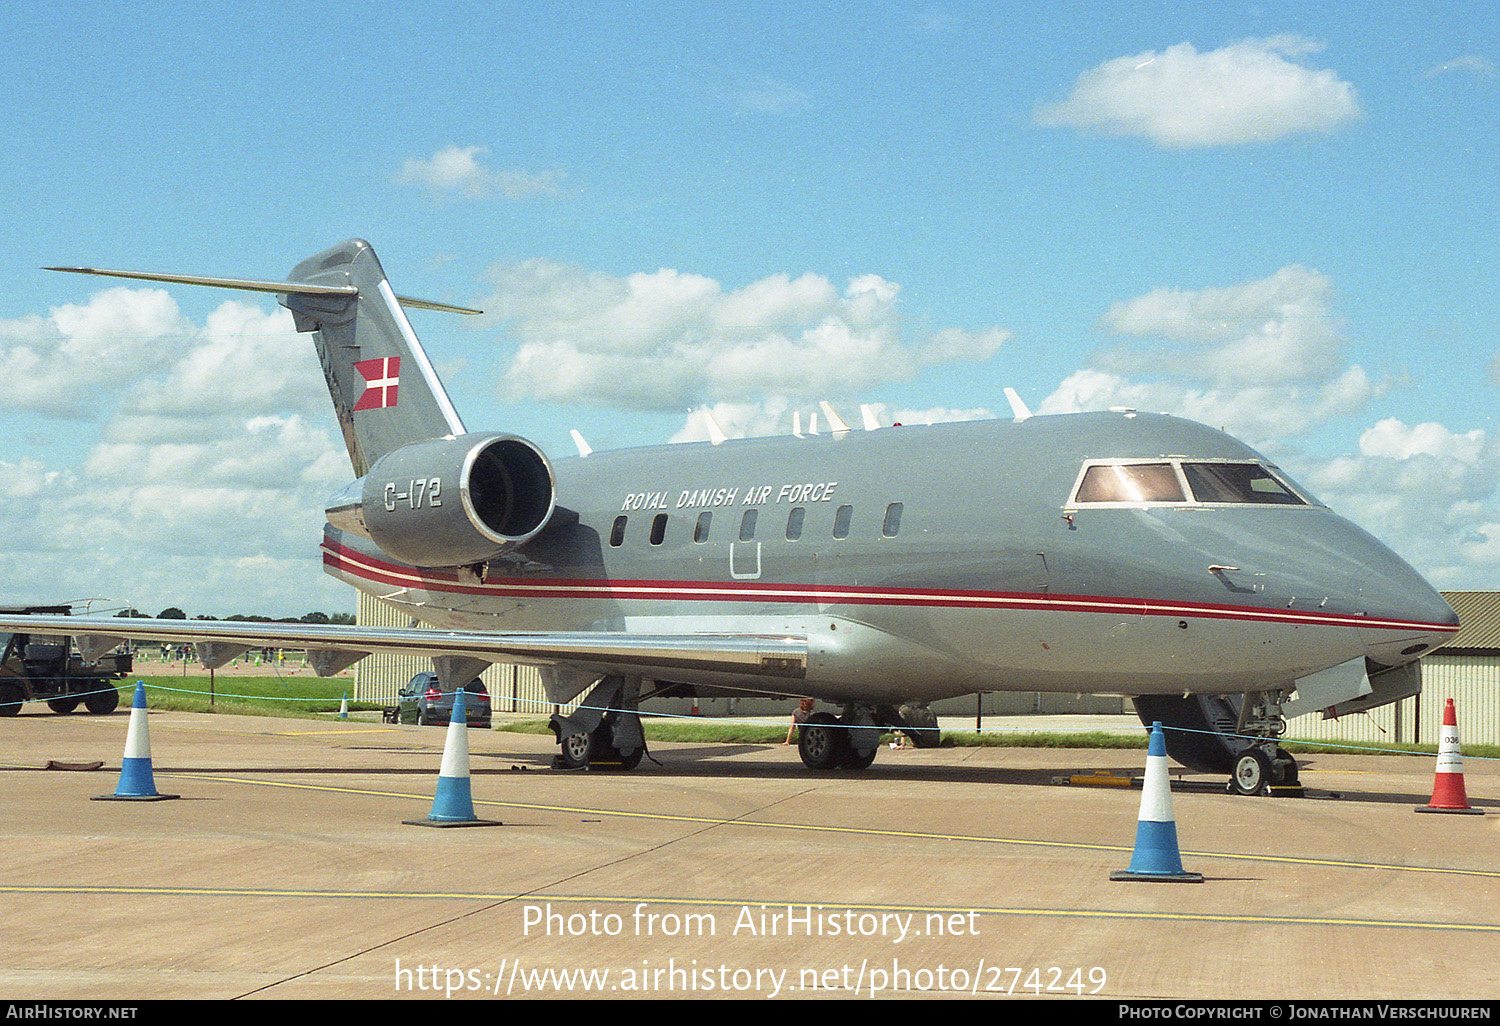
<point x="711" y="658"/>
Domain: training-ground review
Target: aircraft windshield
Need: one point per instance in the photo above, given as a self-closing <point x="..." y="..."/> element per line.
<point x="1183" y="482"/>
<point x="1237" y="482"/>
<point x="1130" y="482"/>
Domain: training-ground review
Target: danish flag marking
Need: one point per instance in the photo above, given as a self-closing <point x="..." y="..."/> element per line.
<point x="382" y="377"/>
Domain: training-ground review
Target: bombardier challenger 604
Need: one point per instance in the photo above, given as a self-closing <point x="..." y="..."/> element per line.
<point x="875" y="570"/>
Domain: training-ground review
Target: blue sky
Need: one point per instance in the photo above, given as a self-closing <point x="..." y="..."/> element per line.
<point x="1280" y="219"/>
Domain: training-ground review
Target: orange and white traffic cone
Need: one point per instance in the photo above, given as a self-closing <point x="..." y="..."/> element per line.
<point x="1448" y="794"/>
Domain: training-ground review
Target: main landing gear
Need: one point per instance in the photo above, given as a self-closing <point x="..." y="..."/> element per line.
<point x="605" y="731"/>
<point x="850" y="741"/>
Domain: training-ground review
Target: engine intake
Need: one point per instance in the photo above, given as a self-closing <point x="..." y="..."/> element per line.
<point x="450" y="501"/>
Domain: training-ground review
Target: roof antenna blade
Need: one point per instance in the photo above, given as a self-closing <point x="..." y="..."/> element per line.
<point x="1017" y="407"/>
<point x="835" y="422"/>
<point x="872" y="422"/>
<point x="716" y="434"/>
<point x="583" y="447"/>
<point x="797" y="423"/>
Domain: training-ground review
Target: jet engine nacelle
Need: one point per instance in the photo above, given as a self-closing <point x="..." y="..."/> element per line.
<point x="450" y="501"/>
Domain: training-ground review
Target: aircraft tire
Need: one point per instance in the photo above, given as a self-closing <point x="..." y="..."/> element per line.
<point x="921" y="725"/>
<point x="821" y="742"/>
<point x="1199" y="743"/>
<point x="574" y="750"/>
<point x="1252" y="773"/>
<point x="856" y="760"/>
<point x="603" y="755"/>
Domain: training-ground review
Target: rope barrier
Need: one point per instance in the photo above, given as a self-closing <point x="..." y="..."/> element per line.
<point x="733" y="721"/>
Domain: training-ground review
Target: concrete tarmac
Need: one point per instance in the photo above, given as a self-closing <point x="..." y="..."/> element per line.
<point x="285" y="871"/>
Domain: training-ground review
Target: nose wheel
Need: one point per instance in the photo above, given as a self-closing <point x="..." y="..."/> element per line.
<point x="1264" y="771"/>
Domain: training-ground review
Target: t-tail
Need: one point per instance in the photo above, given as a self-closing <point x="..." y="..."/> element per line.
<point x="427" y="492"/>
<point x="371" y="358"/>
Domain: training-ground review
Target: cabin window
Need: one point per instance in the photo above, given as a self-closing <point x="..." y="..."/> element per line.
<point x="794" y="521"/>
<point x="841" y="520"/>
<point x="1237" y="482"/>
<point x="659" y="529"/>
<point x="700" y="529"/>
<point x="747" y="524"/>
<point x="892" y="525"/>
<point x="617" y="533"/>
<point x="1130" y="482"/>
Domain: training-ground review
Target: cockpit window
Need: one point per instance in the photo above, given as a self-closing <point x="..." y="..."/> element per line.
<point x="1183" y="482"/>
<point x="1130" y="482"/>
<point x="1237" y="482"/>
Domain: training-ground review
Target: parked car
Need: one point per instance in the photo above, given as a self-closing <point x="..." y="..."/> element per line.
<point x="423" y="701"/>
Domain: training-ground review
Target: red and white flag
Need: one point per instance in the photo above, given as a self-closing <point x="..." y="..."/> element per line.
<point x="382" y="377"/>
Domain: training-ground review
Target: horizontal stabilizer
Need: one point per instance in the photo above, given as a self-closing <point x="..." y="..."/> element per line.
<point x="279" y="288"/>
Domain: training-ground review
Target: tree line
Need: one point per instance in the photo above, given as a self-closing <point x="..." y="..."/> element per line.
<point x="174" y="613"/>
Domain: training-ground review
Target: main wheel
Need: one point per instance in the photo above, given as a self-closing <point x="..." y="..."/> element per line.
<point x="573" y="750"/>
<point x="821" y="742"/>
<point x="1252" y="773"/>
<point x="856" y="760"/>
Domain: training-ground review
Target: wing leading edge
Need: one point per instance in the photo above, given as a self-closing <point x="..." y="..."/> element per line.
<point x="722" y="657"/>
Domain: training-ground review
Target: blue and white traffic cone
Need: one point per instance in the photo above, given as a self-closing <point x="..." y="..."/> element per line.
<point x="453" y="804"/>
<point x="344" y="707"/>
<point x="136" y="781"/>
<point x="1156" y="857"/>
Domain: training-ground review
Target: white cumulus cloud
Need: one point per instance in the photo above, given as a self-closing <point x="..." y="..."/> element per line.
<point x="1250" y="91"/>
<point x="458" y="169"/>
<point x="669" y="339"/>
<point x="1264" y="359"/>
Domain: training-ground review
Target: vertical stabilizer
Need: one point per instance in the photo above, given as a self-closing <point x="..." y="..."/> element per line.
<point x="384" y="389"/>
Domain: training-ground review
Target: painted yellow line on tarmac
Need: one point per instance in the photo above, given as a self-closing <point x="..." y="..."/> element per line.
<point x="352" y="729"/>
<point x="867" y="831"/>
<point x="605" y="900"/>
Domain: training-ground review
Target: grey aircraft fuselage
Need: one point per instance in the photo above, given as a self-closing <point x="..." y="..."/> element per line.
<point x="923" y="562"/>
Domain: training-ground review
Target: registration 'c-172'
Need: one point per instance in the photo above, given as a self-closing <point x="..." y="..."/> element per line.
<point x="875" y="571"/>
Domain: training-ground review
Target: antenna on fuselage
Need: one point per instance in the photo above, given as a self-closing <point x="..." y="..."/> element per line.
<point x="716" y="434"/>
<point x="583" y="447"/>
<point x="835" y="422"/>
<point x="872" y="422"/>
<point x="1017" y="407"/>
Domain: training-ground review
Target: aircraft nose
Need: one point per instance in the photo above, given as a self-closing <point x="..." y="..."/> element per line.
<point x="1386" y="588"/>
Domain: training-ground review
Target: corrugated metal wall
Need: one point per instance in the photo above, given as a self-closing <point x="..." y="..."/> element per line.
<point x="378" y="677"/>
<point x="1472" y="681"/>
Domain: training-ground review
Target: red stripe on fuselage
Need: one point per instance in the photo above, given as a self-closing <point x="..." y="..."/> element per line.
<point x="377" y="571"/>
